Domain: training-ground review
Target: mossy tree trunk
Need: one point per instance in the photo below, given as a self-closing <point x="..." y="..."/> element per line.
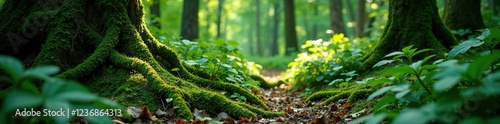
<point x="463" y="14"/>
<point x="105" y="44"/>
<point x="411" y="22"/>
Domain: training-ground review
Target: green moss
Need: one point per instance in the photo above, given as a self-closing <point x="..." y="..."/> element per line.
<point x="351" y="93"/>
<point x="107" y="45"/>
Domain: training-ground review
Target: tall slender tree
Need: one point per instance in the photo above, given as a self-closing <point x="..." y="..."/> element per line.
<point x="257" y="27"/>
<point x="276" y="23"/>
<point x="336" y="17"/>
<point x="219" y="17"/>
<point x="360" y="18"/>
<point x="189" y="24"/>
<point x="290" y="32"/>
<point x="402" y="30"/>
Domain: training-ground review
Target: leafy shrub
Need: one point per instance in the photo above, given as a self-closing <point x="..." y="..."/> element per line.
<point x="55" y="94"/>
<point x="445" y="91"/>
<point x="330" y="63"/>
<point x="221" y="59"/>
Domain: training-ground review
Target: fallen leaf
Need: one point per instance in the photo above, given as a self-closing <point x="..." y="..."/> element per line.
<point x="243" y="119"/>
<point x="228" y="120"/>
<point x="160" y="113"/>
<point x="221" y="116"/>
<point x="289" y="110"/>
<point x="180" y="121"/>
<point x="145" y="114"/>
<point x="334" y="107"/>
<point x="320" y="120"/>
<point x="347" y="105"/>
<point x="134" y="111"/>
<point x="200" y="113"/>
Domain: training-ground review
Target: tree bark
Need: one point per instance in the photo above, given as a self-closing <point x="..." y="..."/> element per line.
<point x="402" y="30"/>
<point x="257" y="28"/>
<point x="290" y="32"/>
<point x="106" y="45"/>
<point x="276" y="23"/>
<point x="219" y="17"/>
<point x="189" y="24"/>
<point x="463" y="14"/>
<point x="336" y="17"/>
<point x="360" y="18"/>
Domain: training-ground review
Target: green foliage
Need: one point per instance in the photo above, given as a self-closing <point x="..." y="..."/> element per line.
<point x="445" y="91"/>
<point x="274" y="62"/>
<point x="221" y="59"/>
<point x="489" y="37"/>
<point x="330" y="63"/>
<point x="55" y="94"/>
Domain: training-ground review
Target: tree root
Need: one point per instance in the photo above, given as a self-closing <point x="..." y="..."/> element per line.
<point x="87" y="38"/>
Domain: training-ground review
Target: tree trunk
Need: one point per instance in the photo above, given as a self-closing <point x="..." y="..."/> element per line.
<point x="219" y="17"/>
<point x="463" y="14"/>
<point x="106" y="45"/>
<point x="276" y="23"/>
<point x="361" y="18"/>
<point x="290" y="32"/>
<point x="257" y="28"/>
<point x="336" y="17"/>
<point x="401" y="30"/>
<point x="189" y="26"/>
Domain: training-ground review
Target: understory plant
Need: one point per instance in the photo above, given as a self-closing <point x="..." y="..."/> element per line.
<point x="55" y="94"/>
<point x="221" y="59"/>
<point x="449" y="90"/>
<point x="327" y="63"/>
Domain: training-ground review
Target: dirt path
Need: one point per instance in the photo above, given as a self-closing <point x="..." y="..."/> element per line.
<point x="299" y="111"/>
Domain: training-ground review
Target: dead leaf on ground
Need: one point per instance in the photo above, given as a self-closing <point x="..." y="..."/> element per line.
<point x="221" y="116"/>
<point x="243" y="119"/>
<point x="200" y="113"/>
<point x="145" y="114"/>
<point x="134" y="111"/>
<point x="180" y="121"/>
<point x="347" y="105"/>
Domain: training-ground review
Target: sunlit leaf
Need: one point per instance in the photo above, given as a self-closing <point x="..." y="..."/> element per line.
<point x="383" y="62"/>
<point x="379" y="92"/>
<point x="464" y="47"/>
<point x="394" y="54"/>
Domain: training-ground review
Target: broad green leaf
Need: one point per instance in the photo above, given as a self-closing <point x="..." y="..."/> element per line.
<point x="464" y="47"/>
<point x="107" y="103"/>
<point x="232" y="43"/>
<point x="491" y="84"/>
<point x="18" y="99"/>
<point x="384" y="102"/>
<point x="379" y="92"/>
<point x="57" y="105"/>
<point x="190" y="62"/>
<point x="168" y="100"/>
<point x="52" y="87"/>
<point x="446" y="83"/>
<point x="76" y="96"/>
<point x="473" y="120"/>
<point x="319" y="78"/>
<point x="401" y="94"/>
<point x="421" y="51"/>
<point x="394" y="54"/>
<point x="416" y="65"/>
<point x="412" y="116"/>
<point x="484" y="35"/>
<point x="376" y="119"/>
<point x="478" y="66"/>
<point x="29" y="86"/>
<point x="401" y="87"/>
<point x="11" y="66"/>
<point x="407" y="49"/>
<point x="42" y="72"/>
<point x="404" y="69"/>
<point x="383" y="62"/>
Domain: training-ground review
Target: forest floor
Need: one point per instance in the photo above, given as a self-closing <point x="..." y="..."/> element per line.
<point x="278" y="98"/>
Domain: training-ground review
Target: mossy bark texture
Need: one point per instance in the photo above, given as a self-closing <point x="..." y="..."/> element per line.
<point x="463" y="14"/>
<point x="411" y="22"/>
<point x="106" y="45"/>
